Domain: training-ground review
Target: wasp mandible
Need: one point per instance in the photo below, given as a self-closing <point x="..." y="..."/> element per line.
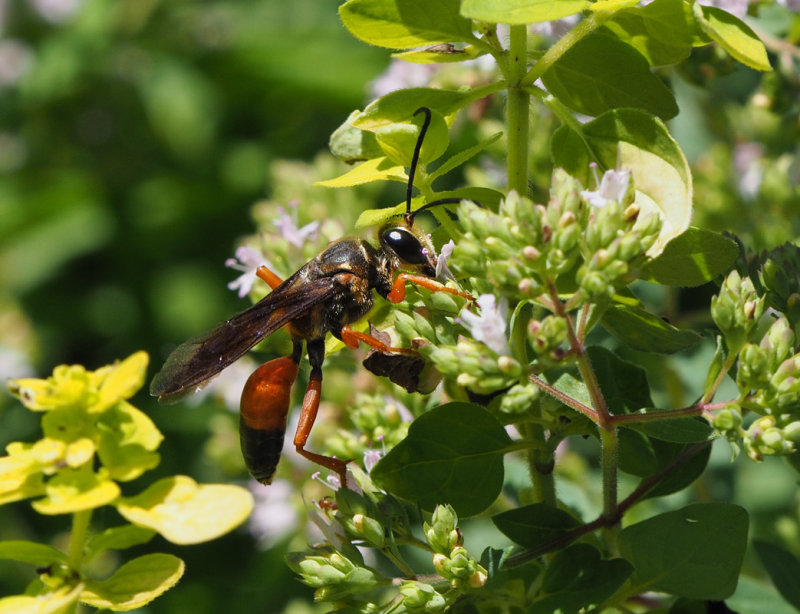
<point x="325" y="295"/>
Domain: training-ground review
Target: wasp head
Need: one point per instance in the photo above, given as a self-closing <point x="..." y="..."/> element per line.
<point x="411" y="247"/>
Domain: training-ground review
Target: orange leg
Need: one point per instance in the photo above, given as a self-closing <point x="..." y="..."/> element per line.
<point x="398" y="292"/>
<point x="308" y="413"/>
<point x="273" y="281"/>
<point x="351" y="338"/>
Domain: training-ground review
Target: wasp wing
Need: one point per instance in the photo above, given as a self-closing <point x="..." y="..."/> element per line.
<point x="199" y="359"/>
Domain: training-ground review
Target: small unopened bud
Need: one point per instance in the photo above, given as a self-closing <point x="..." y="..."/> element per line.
<point x="529" y="252"/>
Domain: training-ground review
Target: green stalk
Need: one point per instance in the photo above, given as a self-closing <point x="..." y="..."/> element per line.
<point x="77" y="540"/>
<point x="540" y="465"/>
<point x="518" y="111"/>
<point x="609" y="464"/>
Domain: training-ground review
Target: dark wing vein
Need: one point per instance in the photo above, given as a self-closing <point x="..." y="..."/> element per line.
<point x="199" y="359"/>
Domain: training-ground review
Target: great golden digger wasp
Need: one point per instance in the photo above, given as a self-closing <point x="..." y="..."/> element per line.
<point x="325" y="296"/>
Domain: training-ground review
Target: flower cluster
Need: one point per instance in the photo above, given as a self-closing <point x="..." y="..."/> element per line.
<point x="592" y="239"/>
<point x="768" y="374"/>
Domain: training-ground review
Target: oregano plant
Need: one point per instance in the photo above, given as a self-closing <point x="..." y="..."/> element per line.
<point x="530" y="368"/>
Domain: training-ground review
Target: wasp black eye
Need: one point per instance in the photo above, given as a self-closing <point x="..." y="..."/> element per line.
<point x="405" y="244"/>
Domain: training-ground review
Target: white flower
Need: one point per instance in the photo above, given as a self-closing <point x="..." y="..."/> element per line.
<point x="247" y="260"/>
<point x="442" y="272"/>
<point x="371" y="458"/>
<point x="490" y="326"/>
<point x="287" y="225"/>
<point x="613" y="187"/>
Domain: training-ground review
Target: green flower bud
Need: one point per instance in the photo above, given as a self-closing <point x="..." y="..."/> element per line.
<point x="442" y="534"/>
<point x="728" y="420"/>
<point x="419" y="597"/>
<point x="792" y="431"/>
<point x="778" y="343"/>
<point x="368" y="529"/>
<point x="460" y="564"/>
<point x="519" y="399"/>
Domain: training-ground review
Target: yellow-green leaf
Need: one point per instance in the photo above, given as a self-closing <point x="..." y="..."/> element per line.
<point x="128" y="441"/>
<point x="121" y="381"/>
<point x="377" y="169"/>
<point x="185" y="512"/>
<point x="403" y="25"/>
<point x="76" y="490"/>
<point x="135" y="584"/>
<point x="733" y="35"/>
<point x="34" y="553"/>
<point x="521" y="12"/>
<point x="20" y="478"/>
<point x="57" y="602"/>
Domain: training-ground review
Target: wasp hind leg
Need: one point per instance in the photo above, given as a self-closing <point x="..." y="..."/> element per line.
<point x="398" y="291"/>
<point x="352" y="337"/>
<point x="308" y="413"/>
<point x="264" y="406"/>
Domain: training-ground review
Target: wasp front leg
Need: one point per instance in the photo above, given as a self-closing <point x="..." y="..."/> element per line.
<point x="264" y="407"/>
<point x="398" y="291"/>
<point x="308" y="412"/>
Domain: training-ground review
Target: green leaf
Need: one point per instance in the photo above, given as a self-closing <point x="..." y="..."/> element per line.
<point x="521" y="12"/>
<point x="635" y="140"/>
<point x="400" y="106"/>
<point x="351" y="144"/>
<point x="403" y="24"/>
<point x="40" y="555"/>
<point x="643" y="456"/>
<point x="624" y="384"/>
<point x="376" y="217"/>
<point x="135" y="583"/>
<point x="661" y="31"/>
<point x="601" y="73"/>
<point x="118" y="538"/>
<point x="691" y="259"/>
<point x="753" y="597"/>
<point x="733" y="35"/>
<point x="440" y="54"/>
<point x="76" y="490"/>
<point x="641" y="330"/>
<point x="452" y="454"/>
<point x="576" y="578"/>
<point x="533" y="525"/>
<point x="694" y="552"/>
<point x="60" y="601"/>
<point x="398" y="140"/>
<point x="783" y="569"/>
<point x="128" y="440"/>
<point x="185" y="512"/>
<point x="377" y="169"/>
<point x="463" y="156"/>
<point x="692" y="429"/>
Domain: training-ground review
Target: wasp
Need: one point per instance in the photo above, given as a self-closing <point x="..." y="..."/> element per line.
<point x="326" y="295"/>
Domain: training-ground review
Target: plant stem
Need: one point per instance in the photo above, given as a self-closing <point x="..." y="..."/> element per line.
<point x="540" y="465"/>
<point x="609" y="458"/>
<point x="80" y="527"/>
<point x="518" y="111"/>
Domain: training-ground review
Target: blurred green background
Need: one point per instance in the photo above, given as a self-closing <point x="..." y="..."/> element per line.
<point x="135" y="137"/>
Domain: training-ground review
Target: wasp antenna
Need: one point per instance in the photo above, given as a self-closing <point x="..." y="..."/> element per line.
<point x="415" y="159"/>
<point x="442" y="201"/>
